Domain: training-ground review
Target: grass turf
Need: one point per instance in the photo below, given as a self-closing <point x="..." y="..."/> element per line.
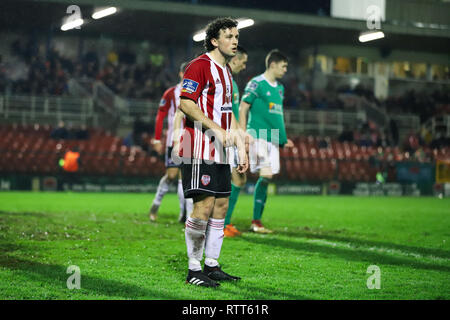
<point x="321" y="248"/>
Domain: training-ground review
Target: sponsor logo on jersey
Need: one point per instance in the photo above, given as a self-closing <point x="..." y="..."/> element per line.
<point x="162" y="102"/>
<point x="268" y="94"/>
<point x="227" y="109"/>
<point x="275" y="108"/>
<point x="217" y="81"/>
<point x="205" y="179"/>
<point x="189" y="86"/>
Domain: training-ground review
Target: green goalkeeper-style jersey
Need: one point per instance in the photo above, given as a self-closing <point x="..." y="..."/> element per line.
<point x="235" y="101"/>
<point x="266" y="110"/>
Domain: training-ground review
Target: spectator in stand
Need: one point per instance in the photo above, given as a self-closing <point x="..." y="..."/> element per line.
<point x="346" y="135"/>
<point x="60" y="132"/>
<point x="70" y="165"/>
<point x="82" y="133"/>
<point x="412" y="143"/>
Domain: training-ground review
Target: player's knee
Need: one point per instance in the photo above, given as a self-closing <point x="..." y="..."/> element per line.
<point x="240" y="183"/>
<point x="203" y="209"/>
<point x="220" y="209"/>
<point x="222" y="205"/>
<point x="243" y="181"/>
<point x="172" y="175"/>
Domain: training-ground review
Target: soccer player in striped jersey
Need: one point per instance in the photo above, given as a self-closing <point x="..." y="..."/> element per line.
<point x="168" y="105"/>
<point x="237" y="63"/>
<point x="263" y="101"/>
<point x="206" y="96"/>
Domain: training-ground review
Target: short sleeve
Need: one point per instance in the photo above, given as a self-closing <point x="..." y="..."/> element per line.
<point x="250" y="92"/>
<point x="194" y="80"/>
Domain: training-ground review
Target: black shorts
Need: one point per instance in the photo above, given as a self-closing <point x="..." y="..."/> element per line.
<point x="169" y="161"/>
<point x="210" y="179"/>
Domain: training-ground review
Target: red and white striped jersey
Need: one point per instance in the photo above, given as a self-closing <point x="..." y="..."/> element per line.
<point x="210" y="86"/>
<point x="168" y="105"/>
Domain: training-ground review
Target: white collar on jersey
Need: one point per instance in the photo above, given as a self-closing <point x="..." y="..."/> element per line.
<point x="272" y="84"/>
<point x="224" y="68"/>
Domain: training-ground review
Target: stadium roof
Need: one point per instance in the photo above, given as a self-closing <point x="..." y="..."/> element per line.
<point x="169" y="22"/>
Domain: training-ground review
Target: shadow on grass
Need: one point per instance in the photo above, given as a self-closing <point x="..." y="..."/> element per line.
<point x="241" y="289"/>
<point x="56" y="276"/>
<point x="258" y="293"/>
<point x="353" y="254"/>
<point x="332" y="235"/>
<point x="27" y="214"/>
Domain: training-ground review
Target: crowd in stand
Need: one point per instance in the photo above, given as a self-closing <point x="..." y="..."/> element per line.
<point x="69" y="133"/>
<point x="27" y="72"/>
<point x="30" y="73"/>
<point x="424" y="105"/>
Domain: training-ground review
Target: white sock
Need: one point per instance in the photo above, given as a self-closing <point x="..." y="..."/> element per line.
<point x="214" y="240"/>
<point x="211" y="262"/>
<point x="181" y="195"/>
<point x="163" y="187"/>
<point x="195" y="241"/>
<point x="189" y="207"/>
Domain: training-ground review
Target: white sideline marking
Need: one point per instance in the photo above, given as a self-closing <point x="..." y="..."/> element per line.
<point x="378" y="249"/>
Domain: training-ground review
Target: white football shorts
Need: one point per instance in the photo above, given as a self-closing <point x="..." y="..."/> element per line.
<point x="264" y="154"/>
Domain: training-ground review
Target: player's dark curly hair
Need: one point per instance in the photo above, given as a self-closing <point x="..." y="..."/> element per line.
<point x="213" y="30"/>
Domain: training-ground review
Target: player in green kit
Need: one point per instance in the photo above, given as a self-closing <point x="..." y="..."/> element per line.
<point x="263" y="101"/>
<point x="238" y="180"/>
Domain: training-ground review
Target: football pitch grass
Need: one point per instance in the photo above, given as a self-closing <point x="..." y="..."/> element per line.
<point x="321" y="248"/>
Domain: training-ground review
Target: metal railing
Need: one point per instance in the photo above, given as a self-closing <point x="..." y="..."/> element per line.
<point x="320" y="122"/>
<point x="49" y="109"/>
<point x="28" y="109"/>
<point x="438" y="125"/>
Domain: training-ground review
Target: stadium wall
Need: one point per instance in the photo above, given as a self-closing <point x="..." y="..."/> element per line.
<point x="149" y="185"/>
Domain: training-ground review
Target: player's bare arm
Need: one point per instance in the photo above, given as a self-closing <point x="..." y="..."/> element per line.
<point x="177" y="130"/>
<point x="244" y="107"/>
<point x="238" y="139"/>
<point x="243" y="112"/>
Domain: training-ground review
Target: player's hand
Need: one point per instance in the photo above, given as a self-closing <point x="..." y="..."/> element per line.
<point x="229" y="139"/>
<point x="243" y="166"/>
<point x="175" y="152"/>
<point x="157" y="145"/>
<point x="289" y="144"/>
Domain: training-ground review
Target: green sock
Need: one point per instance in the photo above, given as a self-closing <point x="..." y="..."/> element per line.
<point x="232" y="202"/>
<point x="260" y="197"/>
